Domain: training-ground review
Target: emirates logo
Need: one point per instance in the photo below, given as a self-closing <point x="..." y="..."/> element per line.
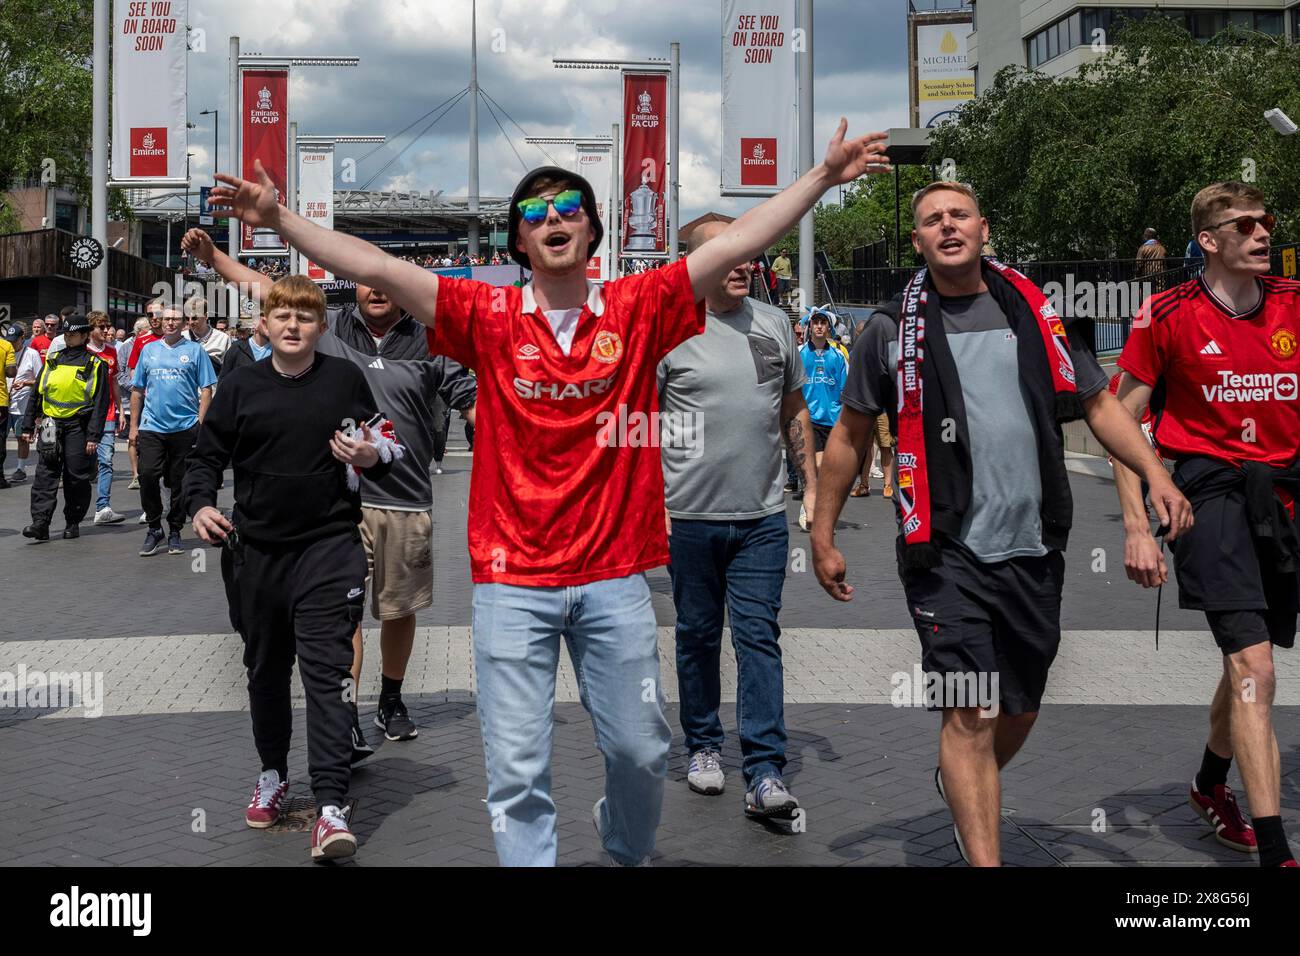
<point x="758" y="161"/>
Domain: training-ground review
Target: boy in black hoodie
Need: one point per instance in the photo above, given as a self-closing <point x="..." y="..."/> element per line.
<point x="293" y="563"/>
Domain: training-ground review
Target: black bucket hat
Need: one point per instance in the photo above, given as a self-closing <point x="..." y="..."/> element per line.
<point x="525" y="187"/>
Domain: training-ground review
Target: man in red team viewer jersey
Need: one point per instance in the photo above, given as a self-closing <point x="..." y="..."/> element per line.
<point x="565" y="513"/>
<point x="1217" y="360"/>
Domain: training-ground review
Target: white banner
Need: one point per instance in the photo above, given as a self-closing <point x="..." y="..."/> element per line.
<point x="596" y="166"/>
<point x="944" y="81"/>
<point x="316" y="198"/>
<point x="760" y="92"/>
<point x="149" y="133"/>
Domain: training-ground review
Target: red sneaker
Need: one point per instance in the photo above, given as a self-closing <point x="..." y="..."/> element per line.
<point x="1221" y="812"/>
<point x="330" y="837"/>
<point x="264" y="809"/>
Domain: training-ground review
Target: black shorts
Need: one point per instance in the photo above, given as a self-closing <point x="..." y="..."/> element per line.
<point x="1217" y="562"/>
<point x="1237" y="630"/>
<point x="820" y="434"/>
<point x="984" y="621"/>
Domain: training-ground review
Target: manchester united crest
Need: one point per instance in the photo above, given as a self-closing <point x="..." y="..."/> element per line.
<point x="607" y="348"/>
<point x="1283" y="343"/>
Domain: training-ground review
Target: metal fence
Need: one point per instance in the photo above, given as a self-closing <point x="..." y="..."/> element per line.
<point x="1100" y="295"/>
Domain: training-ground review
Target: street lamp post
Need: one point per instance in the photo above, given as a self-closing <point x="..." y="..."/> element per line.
<point x="216" y="126"/>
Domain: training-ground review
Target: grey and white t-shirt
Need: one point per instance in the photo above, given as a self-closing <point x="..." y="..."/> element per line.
<point x="720" y="396"/>
<point x="1004" y="520"/>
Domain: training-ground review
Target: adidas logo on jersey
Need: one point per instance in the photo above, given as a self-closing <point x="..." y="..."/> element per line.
<point x="377" y="363"/>
<point x="1212" y="349"/>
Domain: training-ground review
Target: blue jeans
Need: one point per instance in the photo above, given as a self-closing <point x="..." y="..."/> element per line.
<point x="609" y="627"/>
<point x="105" y="466"/>
<point x="739" y="564"/>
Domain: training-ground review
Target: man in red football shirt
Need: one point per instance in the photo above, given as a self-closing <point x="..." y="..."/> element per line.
<point x="154" y="311"/>
<point x="1217" y="360"/>
<point x="566" y="512"/>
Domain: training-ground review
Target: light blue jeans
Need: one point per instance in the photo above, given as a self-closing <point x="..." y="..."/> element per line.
<point x="105" y="449"/>
<point x="609" y="627"/>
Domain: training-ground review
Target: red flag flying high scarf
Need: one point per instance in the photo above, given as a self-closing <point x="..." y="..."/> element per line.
<point x="913" y="487"/>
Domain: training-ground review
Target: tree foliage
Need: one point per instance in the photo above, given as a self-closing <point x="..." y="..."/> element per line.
<point x="866" y="216"/>
<point x="1077" y="167"/>
<point x="45" y="96"/>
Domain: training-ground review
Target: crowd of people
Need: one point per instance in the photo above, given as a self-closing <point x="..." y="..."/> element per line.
<point x="450" y="259"/>
<point x="327" y="418"/>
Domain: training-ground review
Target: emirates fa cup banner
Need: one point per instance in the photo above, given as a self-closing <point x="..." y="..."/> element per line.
<point x="645" y="154"/>
<point x="595" y="166"/>
<point x="264" y="135"/>
<point x="760" y="87"/>
<point x="316" y="199"/>
<point x="149" y="132"/>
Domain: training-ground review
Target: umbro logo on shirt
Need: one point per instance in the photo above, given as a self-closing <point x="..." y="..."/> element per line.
<point x="529" y="352"/>
<point x="377" y="363"/>
<point x="1212" y="349"/>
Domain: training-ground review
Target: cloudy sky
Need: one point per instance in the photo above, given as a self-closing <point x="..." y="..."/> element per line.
<point x="415" y="54"/>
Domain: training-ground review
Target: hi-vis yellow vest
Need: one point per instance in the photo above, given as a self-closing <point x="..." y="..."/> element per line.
<point x="67" y="390"/>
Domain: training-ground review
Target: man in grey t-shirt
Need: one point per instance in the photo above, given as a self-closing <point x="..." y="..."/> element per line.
<point x="984" y="586"/>
<point x="725" y="397"/>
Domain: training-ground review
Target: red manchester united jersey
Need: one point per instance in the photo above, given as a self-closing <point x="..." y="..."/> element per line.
<point x="567" y="485"/>
<point x="1225" y="385"/>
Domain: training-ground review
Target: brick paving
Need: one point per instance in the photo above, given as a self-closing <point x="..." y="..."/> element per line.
<point x="163" y="775"/>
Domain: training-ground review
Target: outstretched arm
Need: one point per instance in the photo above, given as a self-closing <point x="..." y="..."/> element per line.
<point x="200" y="245"/>
<point x="411" y="287"/>
<point x="752" y="233"/>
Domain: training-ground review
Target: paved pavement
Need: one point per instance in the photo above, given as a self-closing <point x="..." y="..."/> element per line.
<point x="162" y="774"/>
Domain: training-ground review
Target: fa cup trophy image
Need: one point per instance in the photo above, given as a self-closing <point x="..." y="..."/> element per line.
<point x="641" y="221"/>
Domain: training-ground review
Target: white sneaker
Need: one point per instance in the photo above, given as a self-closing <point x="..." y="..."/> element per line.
<point x="107" y="515"/>
<point x="803" y="518"/>
<point x="597" y="820"/>
<point x="142" y="520"/>
<point x="876" y="472"/>
<point x="705" y="773"/>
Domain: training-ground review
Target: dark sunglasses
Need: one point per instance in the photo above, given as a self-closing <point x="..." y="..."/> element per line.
<point x="566" y="204"/>
<point x="1246" y="224"/>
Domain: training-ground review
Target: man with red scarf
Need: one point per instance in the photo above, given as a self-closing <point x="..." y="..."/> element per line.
<point x="977" y="373"/>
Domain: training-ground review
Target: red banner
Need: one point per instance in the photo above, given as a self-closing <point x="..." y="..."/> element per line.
<point x="645" y="154"/>
<point x="264" y="135"/>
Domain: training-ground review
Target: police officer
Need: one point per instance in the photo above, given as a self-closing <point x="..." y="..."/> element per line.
<point x="72" y="394"/>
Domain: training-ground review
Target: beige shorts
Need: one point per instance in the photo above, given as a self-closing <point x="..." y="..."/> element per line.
<point x="883" y="438"/>
<point x="399" y="555"/>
